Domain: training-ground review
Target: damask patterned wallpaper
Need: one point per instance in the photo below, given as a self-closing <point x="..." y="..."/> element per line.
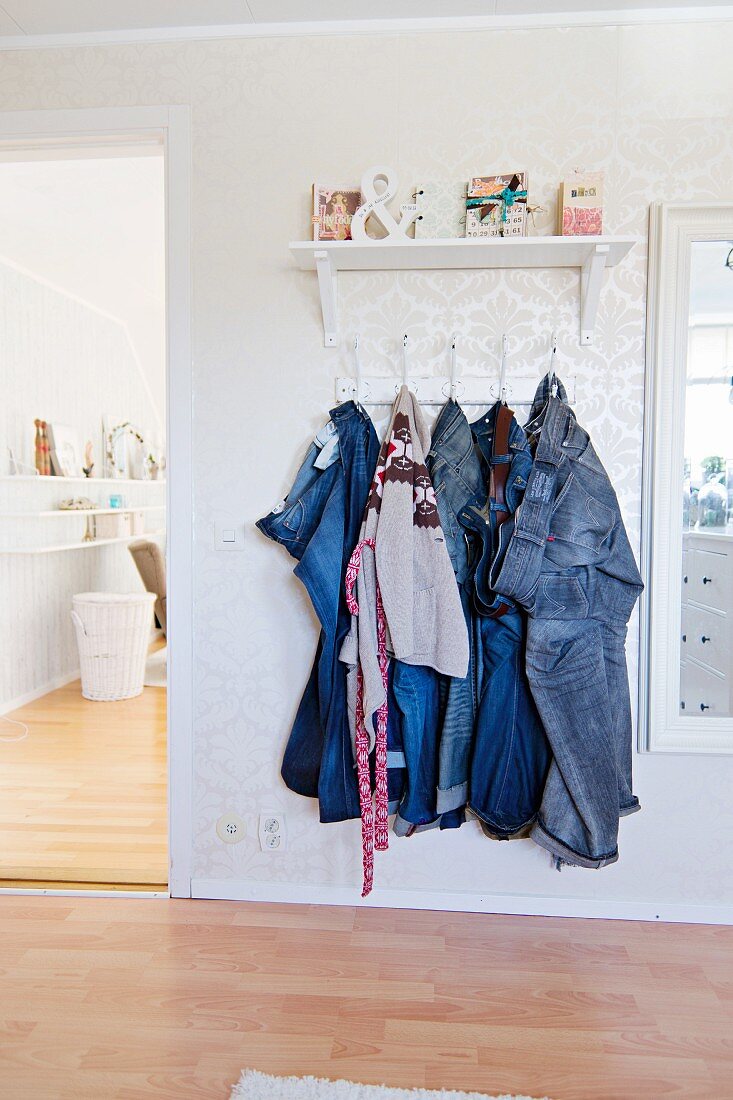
<point x="651" y="106"/>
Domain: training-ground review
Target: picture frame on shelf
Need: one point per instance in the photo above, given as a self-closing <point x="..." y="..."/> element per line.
<point x="122" y="447"/>
<point x="65" y="450"/>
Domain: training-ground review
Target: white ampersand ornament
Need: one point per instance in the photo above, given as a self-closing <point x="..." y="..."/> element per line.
<point x="379" y="186"/>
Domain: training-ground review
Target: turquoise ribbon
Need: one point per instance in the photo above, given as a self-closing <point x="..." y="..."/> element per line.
<point x="506" y="197"/>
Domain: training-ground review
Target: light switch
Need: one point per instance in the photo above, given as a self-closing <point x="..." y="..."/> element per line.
<point x="228" y="536"/>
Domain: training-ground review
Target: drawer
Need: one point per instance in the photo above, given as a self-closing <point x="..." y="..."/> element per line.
<point x="705" y="693"/>
<point x="707" y="574"/>
<point x="708" y="638"/>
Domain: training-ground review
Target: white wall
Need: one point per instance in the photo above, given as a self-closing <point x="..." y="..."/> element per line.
<point x="68" y="364"/>
<point x="95" y="227"/>
<point x="652" y="106"/>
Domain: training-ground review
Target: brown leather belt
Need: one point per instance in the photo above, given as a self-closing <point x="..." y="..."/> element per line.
<point x="498" y="475"/>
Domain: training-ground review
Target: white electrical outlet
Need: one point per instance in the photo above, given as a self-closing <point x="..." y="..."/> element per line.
<point x="230" y="828"/>
<point x="273" y="836"/>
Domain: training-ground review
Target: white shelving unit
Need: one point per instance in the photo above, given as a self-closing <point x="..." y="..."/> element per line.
<point x="591" y="255"/>
<point x="25" y="498"/>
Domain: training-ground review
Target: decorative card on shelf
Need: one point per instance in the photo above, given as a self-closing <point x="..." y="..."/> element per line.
<point x="442" y="209"/>
<point x="496" y="206"/>
<point x="580" y="209"/>
<point x="333" y="209"/>
<point x="65" y="450"/>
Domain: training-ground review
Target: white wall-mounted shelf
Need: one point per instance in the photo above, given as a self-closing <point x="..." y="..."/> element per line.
<point x="51" y="479"/>
<point x="80" y="512"/>
<point x="592" y="255"/>
<point x="62" y="546"/>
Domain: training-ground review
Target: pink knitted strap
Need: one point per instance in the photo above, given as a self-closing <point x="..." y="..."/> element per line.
<point x="374" y="828"/>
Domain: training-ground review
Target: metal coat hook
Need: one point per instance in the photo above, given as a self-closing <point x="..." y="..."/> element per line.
<point x="553" y="353"/>
<point x="404" y="361"/>
<point x="503" y="371"/>
<point x="357" y="365"/>
<point x="453" y="381"/>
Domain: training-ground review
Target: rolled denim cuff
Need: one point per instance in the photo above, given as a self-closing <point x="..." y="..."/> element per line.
<point x="565" y="855"/>
<point x="498" y="832"/>
<point x="402" y="827"/>
<point x="452" y="798"/>
<point x="272" y="526"/>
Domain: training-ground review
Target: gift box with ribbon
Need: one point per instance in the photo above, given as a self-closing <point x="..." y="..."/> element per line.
<point x="496" y="206"/>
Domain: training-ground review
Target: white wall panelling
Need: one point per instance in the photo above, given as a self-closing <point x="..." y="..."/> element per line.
<point x="653" y="107"/>
<point x="69" y="364"/>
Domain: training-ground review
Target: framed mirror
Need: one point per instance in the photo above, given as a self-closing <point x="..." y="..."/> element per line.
<point x="687" y="619"/>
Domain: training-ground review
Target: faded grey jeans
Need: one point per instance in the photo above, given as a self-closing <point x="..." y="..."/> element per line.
<point x="568" y="561"/>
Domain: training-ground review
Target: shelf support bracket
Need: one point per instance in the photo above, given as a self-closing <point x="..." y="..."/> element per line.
<point x="591" y="277"/>
<point x="327" y="288"/>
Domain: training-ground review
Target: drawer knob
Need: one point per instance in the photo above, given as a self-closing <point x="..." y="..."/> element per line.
<point x="704" y="706"/>
<point x="684" y="637"/>
<point x="704" y="639"/>
<point x="707" y="580"/>
<point x="684" y="579"/>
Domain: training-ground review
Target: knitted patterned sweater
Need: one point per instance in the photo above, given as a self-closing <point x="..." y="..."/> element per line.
<point x="422" y="606"/>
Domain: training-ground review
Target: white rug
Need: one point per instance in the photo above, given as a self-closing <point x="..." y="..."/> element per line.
<point x="261" y="1086"/>
<point x="156" y="672"/>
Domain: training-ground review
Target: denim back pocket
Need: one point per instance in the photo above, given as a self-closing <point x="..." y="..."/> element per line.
<point x="579" y="525"/>
<point x="560" y="597"/>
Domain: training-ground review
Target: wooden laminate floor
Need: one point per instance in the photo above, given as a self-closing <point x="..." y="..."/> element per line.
<point x="122" y="999"/>
<point x="83" y="796"/>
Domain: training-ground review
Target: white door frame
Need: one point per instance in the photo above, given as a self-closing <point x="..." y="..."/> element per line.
<point x="109" y="126"/>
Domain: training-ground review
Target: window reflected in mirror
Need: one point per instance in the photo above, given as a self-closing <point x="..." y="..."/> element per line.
<point x="706" y="672"/>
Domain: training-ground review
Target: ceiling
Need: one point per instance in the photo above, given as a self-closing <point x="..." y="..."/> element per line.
<point x="95" y="229"/>
<point x="20" y="18"/>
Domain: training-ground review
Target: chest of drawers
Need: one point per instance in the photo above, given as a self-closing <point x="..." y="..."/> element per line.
<point x="706" y="682"/>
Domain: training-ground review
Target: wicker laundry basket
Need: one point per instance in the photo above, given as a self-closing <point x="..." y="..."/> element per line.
<point x="113" y="634"/>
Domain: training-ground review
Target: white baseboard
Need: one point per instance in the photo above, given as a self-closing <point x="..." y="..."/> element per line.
<point x="519" y="904"/>
<point x="52" y="891"/>
<point x="50" y="685"/>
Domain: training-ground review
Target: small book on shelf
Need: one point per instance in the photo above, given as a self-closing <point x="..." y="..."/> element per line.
<point x="333" y="209"/>
<point x="580" y="209"/>
<point x="496" y="206"/>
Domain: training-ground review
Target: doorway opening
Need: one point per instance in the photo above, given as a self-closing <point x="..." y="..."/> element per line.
<point x="83" y="516"/>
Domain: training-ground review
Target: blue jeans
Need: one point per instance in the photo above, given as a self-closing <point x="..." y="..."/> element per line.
<point x="318" y="524"/>
<point x="567" y="559"/>
<point x="510" y="754"/>
<point x="493" y="753"/>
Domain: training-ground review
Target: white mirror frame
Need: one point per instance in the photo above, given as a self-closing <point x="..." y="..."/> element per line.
<point x="673" y="229"/>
